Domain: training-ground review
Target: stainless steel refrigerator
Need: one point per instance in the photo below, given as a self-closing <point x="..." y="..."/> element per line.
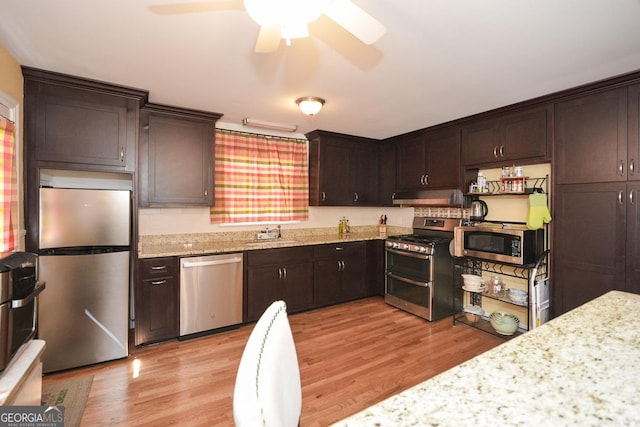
<point x="85" y="260"/>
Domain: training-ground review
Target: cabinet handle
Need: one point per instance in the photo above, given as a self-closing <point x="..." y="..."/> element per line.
<point x="206" y="193"/>
<point x="632" y="166"/>
<point x="339" y="248"/>
<point x="121" y="153"/>
<point x="284" y="273"/>
<point x="426" y="179"/>
<point x="355" y="197"/>
<point x="631" y="201"/>
<point x="159" y="267"/>
<point x="621" y="168"/>
<point x="495" y="151"/>
<point x="324" y="196"/>
<point x="422" y="180"/>
<point x="502" y="151"/>
<point x="159" y="282"/>
<point x="279" y="273"/>
<point x="620" y="198"/>
<point x="343" y="265"/>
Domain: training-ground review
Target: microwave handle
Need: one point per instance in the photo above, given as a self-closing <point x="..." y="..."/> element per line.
<point x="17" y="303"/>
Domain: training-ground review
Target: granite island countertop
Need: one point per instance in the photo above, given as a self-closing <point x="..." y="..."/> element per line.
<point x="214" y="243"/>
<point x="580" y="369"/>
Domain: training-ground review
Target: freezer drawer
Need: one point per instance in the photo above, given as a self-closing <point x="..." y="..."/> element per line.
<point x="84" y="314"/>
<point x="210" y="292"/>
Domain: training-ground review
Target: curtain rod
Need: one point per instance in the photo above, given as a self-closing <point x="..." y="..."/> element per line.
<point x="284" y="138"/>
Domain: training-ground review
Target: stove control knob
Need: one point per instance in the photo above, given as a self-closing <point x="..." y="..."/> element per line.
<point x="423" y="249"/>
<point x="405" y="247"/>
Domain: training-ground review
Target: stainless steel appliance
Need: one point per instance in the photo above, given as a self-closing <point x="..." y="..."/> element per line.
<point x="85" y="261"/>
<point x="496" y="242"/>
<point x="19" y="290"/>
<point x="419" y="268"/>
<point x="478" y="210"/>
<point x="210" y="292"/>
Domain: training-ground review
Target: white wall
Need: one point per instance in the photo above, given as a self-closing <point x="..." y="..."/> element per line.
<point x="155" y="221"/>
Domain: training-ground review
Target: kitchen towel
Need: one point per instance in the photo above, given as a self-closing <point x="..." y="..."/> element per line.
<point x="538" y="213"/>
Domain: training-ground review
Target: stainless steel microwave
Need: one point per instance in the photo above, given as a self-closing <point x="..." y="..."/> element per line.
<point x="509" y="245"/>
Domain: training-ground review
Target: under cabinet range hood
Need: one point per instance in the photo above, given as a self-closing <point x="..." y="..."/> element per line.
<point x="446" y="197"/>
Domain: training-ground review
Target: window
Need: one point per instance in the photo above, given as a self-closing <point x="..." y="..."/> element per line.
<point x="260" y="179"/>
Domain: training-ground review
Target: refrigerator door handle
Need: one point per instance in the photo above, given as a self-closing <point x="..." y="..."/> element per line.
<point x="17" y="303"/>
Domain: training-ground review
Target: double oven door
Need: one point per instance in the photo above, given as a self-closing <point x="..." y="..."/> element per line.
<point x="408" y="281"/>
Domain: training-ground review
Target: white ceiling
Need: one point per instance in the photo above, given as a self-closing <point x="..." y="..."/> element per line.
<point x="439" y="60"/>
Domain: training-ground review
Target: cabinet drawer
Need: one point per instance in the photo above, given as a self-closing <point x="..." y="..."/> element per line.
<point x="159" y="267"/>
<point x="263" y="257"/>
<point x="334" y="249"/>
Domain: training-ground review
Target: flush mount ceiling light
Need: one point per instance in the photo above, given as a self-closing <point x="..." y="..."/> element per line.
<point x="289" y="19"/>
<point x="255" y="123"/>
<point x="310" y="105"/>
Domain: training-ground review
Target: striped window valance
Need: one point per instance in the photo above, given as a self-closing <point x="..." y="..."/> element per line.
<point x="260" y="179"/>
<point x="8" y="192"/>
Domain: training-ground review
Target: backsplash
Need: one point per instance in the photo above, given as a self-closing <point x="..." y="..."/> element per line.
<point x="442" y="212"/>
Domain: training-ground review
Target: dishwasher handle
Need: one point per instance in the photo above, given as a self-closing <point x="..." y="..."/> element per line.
<point x="233" y="260"/>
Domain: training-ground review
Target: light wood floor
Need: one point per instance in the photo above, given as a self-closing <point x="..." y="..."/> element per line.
<point x="351" y="356"/>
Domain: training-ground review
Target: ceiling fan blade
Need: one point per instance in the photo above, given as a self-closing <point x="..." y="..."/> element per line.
<point x="268" y="39"/>
<point x="196" y="7"/>
<point x="356" y="21"/>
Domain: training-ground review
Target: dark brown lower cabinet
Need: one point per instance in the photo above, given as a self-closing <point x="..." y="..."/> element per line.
<point x="278" y="274"/>
<point x="596" y="242"/>
<point x="338" y="272"/>
<point x="157" y="300"/>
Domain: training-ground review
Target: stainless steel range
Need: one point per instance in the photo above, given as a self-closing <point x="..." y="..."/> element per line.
<point x="419" y="268"/>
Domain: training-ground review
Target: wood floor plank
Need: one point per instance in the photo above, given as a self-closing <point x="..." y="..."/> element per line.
<point x="351" y="356"/>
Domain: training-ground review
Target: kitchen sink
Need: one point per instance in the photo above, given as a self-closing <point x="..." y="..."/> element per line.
<point x="271" y="242"/>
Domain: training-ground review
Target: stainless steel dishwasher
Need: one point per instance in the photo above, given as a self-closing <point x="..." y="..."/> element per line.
<point x="210" y="292"/>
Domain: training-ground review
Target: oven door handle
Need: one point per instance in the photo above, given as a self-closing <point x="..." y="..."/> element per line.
<point x="410" y="281"/>
<point x="409" y="254"/>
<point x="17" y="303"/>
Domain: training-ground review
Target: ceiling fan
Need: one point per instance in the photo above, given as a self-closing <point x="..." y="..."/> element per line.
<point x="289" y="19"/>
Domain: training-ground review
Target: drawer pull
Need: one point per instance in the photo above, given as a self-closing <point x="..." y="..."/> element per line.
<point x="158" y="282"/>
<point x="159" y="267"/>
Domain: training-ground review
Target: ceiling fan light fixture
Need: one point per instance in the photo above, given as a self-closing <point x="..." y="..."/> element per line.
<point x="290" y="14"/>
<point x="310" y="105"/>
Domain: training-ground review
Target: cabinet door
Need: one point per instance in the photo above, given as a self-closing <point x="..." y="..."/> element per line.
<point x="353" y="272"/>
<point x="411" y="162"/>
<point x="297" y="286"/>
<point x="387" y="174"/>
<point x="262" y="288"/>
<point x="177" y="161"/>
<point x="157" y="300"/>
<point x="633" y="135"/>
<point x="589" y="243"/>
<point x="480" y="142"/>
<point x="364" y="173"/>
<point x="443" y="159"/>
<point x="633" y="237"/>
<point x="333" y="167"/>
<point x="83" y="127"/>
<point x="524" y="135"/>
<point x="591" y="138"/>
<point x="327" y="287"/>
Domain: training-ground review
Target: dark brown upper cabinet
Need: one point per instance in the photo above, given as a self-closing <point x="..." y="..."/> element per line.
<point x="387" y="173"/>
<point x="428" y="159"/>
<point x="343" y="170"/>
<point x="176" y="156"/>
<point x="521" y="136"/>
<point x="75" y="123"/>
<point x="591" y="138"/>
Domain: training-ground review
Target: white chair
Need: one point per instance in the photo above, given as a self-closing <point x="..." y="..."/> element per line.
<point x="267" y="390"/>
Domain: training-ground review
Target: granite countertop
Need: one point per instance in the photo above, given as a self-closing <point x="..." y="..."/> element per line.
<point x="582" y="368"/>
<point x="214" y="243"/>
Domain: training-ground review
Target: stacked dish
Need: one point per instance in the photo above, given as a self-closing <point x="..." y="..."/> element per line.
<point x="518" y="296"/>
<point x="473" y="312"/>
<point x="504" y="323"/>
<point x="473" y="283"/>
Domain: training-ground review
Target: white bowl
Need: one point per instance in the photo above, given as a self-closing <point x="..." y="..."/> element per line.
<point x="518" y="296"/>
<point x="472" y="278"/>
